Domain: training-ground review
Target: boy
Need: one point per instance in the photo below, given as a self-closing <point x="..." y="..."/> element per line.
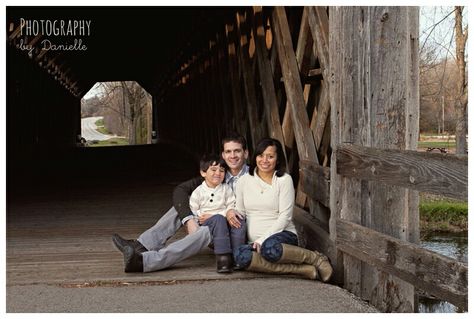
<point x="210" y="202"/>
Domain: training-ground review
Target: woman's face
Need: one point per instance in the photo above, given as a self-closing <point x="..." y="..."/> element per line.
<point x="266" y="161"/>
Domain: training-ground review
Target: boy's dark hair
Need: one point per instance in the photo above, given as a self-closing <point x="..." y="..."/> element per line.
<point x="234" y="137"/>
<point x="262" y="145"/>
<point x="208" y="160"/>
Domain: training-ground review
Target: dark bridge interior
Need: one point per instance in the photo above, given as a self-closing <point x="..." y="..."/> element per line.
<point x="44" y="88"/>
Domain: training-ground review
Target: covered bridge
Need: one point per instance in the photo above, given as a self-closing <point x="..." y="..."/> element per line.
<point x="337" y="86"/>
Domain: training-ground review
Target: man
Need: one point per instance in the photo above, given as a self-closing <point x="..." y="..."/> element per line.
<point x="148" y="252"/>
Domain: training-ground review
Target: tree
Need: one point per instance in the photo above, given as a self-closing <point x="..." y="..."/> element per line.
<point x="461" y="99"/>
<point x="127" y="110"/>
<point x="443" y="77"/>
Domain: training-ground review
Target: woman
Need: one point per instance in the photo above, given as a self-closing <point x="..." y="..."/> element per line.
<point x="266" y="196"/>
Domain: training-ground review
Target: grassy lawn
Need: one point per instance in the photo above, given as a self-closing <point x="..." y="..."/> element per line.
<point x="446" y="144"/>
<point x="110" y="142"/>
<point x="442" y="214"/>
<point x="101" y="128"/>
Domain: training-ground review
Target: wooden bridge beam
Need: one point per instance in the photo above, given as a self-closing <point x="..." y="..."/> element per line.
<point x="373" y="91"/>
<point x="266" y="79"/>
<point x="248" y="79"/>
<point x="293" y="88"/>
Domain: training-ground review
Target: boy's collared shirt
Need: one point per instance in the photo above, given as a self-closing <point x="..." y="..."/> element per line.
<point x="230" y="180"/>
<point x="207" y="200"/>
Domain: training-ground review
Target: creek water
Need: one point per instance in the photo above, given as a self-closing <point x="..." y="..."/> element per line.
<point x="453" y="245"/>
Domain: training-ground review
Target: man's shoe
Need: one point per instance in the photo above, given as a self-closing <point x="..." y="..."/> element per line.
<point x="121" y="243"/>
<point x="133" y="261"/>
<point x="224" y="263"/>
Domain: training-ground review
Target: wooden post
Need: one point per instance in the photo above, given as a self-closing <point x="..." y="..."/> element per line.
<point x="239" y="124"/>
<point x="266" y="80"/>
<point x="374" y="98"/>
<point x="249" y="80"/>
<point x="293" y="88"/>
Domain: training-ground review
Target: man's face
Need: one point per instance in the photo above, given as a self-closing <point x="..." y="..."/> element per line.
<point x="234" y="155"/>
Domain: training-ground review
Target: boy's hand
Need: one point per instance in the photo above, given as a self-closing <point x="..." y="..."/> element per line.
<point x="203" y="218"/>
<point x="233" y="218"/>
<point x="191" y="226"/>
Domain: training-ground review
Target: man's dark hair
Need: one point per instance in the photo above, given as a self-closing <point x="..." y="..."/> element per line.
<point x="209" y="160"/>
<point x="234" y="137"/>
<point x="262" y="145"/>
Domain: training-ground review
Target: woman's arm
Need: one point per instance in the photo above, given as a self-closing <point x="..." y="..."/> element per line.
<point x="286" y="202"/>
<point x="239" y="198"/>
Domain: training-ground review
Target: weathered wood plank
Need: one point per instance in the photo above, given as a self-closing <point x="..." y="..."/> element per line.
<point x="319" y="25"/>
<point x="436" y="274"/>
<point x="234" y="79"/>
<point x="315" y="236"/>
<point x="293" y="88"/>
<point x="371" y="89"/>
<point x="294" y="91"/>
<point x="266" y="80"/>
<point x="318" y="123"/>
<point x="444" y="174"/>
<point x="248" y="80"/>
<point x="315" y="181"/>
<point x="345" y="194"/>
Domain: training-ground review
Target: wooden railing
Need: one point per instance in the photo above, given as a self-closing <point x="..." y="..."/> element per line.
<point x="442" y="174"/>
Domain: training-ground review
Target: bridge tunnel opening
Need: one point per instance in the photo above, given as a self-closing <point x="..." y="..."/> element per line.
<point x="50" y="72"/>
<point x="116" y="113"/>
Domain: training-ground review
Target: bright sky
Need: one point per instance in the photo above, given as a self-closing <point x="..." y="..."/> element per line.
<point x="437" y="23"/>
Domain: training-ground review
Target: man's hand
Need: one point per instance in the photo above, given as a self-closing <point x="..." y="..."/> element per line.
<point x="233" y="218"/>
<point x="191" y="226"/>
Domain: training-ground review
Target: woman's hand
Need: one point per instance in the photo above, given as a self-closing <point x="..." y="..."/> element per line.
<point x="203" y="218"/>
<point x="233" y="218"/>
<point x="256" y="247"/>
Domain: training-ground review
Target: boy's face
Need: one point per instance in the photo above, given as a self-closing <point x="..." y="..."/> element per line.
<point x="214" y="175"/>
<point x="234" y="155"/>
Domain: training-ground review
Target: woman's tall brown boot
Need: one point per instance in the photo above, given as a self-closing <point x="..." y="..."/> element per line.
<point x="259" y="264"/>
<point x="297" y="255"/>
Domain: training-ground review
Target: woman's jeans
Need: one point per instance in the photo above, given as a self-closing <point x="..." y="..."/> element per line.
<point x="271" y="249"/>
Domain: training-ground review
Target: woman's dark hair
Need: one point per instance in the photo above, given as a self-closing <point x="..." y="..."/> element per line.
<point x="262" y="145"/>
<point x="208" y="160"/>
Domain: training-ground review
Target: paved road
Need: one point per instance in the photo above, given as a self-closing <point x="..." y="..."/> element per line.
<point x="274" y="295"/>
<point x="89" y="129"/>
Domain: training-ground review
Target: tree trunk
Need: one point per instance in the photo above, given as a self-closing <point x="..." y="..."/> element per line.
<point x="461" y="100"/>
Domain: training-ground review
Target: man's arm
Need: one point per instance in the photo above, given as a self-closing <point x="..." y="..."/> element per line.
<point x="181" y="195"/>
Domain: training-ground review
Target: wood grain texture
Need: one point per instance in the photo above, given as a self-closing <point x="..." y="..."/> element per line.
<point x="315" y="181"/>
<point x="443" y="174"/>
<point x="436" y="274"/>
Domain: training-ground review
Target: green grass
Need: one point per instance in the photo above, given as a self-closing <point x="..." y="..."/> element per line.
<point x="101" y="128"/>
<point x="110" y="142"/>
<point x="446" y="144"/>
<point x="442" y="214"/>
